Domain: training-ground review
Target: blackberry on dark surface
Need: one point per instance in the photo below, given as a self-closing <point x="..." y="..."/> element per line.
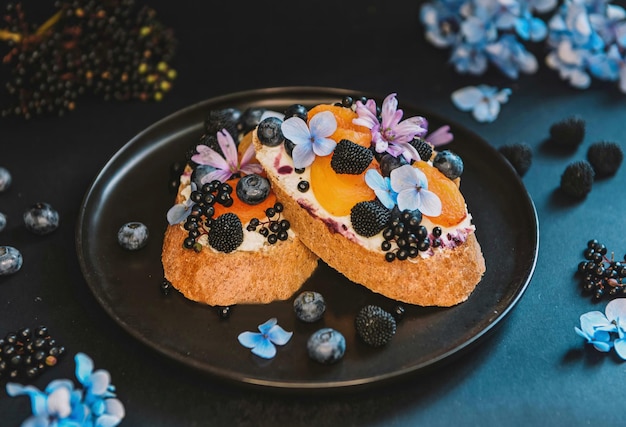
<point x="577" y="179"/>
<point x="111" y="49"/>
<point x="350" y="158"/>
<point x="519" y="155"/>
<point x="568" y="133"/>
<point x="226" y="233"/>
<point x="27" y="353"/>
<point x="600" y="274"/>
<point x="375" y="326"/>
<point x="424" y="149"/>
<point x="369" y="217"/>
<point x="605" y="157"/>
<point x="225" y="118"/>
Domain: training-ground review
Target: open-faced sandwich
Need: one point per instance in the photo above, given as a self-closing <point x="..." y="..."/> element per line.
<point x="371" y="195"/>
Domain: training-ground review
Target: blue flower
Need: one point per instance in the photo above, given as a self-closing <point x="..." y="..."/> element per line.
<point x="262" y="342"/>
<point x="482" y="100"/>
<point x="62" y="405"/>
<point x="606" y="331"/>
<point x="310" y="140"/>
<point x="382" y="188"/>
<point x="180" y="211"/>
<point x="411" y="185"/>
<point x="391" y="134"/>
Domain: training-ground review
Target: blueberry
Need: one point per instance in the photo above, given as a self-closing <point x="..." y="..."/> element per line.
<point x="200" y="172"/>
<point x="3" y="221"/>
<point x="389" y="163"/>
<point x="133" y="236"/>
<point x="41" y="218"/>
<point x="269" y="131"/>
<point x="10" y="260"/>
<point x="309" y="306"/>
<point x="253" y="189"/>
<point x="250" y="118"/>
<point x="297" y="110"/>
<point x="326" y="346"/>
<point x="449" y="164"/>
<point x="5" y="179"/>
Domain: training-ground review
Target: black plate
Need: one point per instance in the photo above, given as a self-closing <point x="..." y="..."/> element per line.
<point x="133" y="186"/>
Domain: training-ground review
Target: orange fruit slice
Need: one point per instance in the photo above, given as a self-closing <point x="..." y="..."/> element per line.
<point x="453" y="208"/>
<point x="245" y="142"/>
<point x="345" y="128"/>
<point x="244" y="211"/>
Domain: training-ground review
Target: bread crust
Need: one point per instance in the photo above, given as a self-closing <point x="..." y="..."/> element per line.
<point x="445" y="279"/>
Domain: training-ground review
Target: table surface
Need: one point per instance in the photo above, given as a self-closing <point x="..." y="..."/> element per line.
<point x="533" y="370"/>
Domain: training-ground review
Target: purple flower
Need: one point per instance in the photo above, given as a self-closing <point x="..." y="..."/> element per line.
<point x="227" y="166"/>
<point x="262" y="342"/>
<point x="310" y="140"/>
<point x="411" y="185"/>
<point x="391" y="134"/>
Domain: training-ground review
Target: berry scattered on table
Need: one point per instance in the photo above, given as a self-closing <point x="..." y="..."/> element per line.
<point x="326" y="346"/>
<point x="27" y="353"/>
<point x="449" y="163"/>
<point x="519" y="155"/>
<point x="133" y="235"/>
<point x="568" y="133"/>
<point x="41" y="218"/>
<point x="309" y="306"/>
<point x="605" y="157"/>
<point x="577" y="179"/>
<point x="11" y="260"/>
<point x="5" y="179"/>
<point x="375" y="326"/>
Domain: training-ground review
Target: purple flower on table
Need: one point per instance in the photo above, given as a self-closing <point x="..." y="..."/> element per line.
<point x="411" y="185"/>
<point x="391" y="134"/>
<point x="382" y="188"/>
<point x="310" y="140"/>
<point x="229" y="164"/>
<point x="606" y="330"/>
<point x="263" y="342"/>
<point x="482" y="100"/>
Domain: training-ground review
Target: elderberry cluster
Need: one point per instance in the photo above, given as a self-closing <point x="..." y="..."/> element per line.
<point x="275" y="228"/>
<point x="27" y="353"/>
<point x="600" y="275"/>
<point x="409" y="235"/>
<point x="200" y="218"/>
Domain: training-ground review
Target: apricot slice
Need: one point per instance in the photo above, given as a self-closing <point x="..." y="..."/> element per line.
<point x="244" y="211"/>
<point x="245" y="142"/>
<point x="453" y="208"/>
<point x="345" y="128"/>
<point x="338" y="193"/>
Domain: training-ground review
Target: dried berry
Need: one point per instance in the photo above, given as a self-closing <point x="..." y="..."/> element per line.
<point x="577" y="179"/>
<point x="520" y="156"/>
<point x="568" y="132"/>
<point x="605" y="157"/>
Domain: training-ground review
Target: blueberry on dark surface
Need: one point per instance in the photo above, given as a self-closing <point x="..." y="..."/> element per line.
<point x="253" y="189"/>
<point x="369" y="217"/>
<point x="309" y="306"/>
<point x="389" y="162"/>
<point x="269" y="131"/>
<point x="577" y="179"/>
<point x="605" y="157"/>
<point x="449" y="163"/>
<point x="350" y="158"/>
<point x="3" y="221"/>
<point x="250" y="118"/>
<point x="41" y="218"/>
<point x="568" y="132"/>
<point x="326" y="346"/>
<point x="133" y="235"/>
<point x="296" y="110"/>
<point x="5" y="179"/>
<point x="375" y="326"/>
<point x="10" y="260"/>
<point x="519" y="155"/>
<point x="226" y="233"/>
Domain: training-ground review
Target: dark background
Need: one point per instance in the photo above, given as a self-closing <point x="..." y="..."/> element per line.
<point x="533" y="371"/>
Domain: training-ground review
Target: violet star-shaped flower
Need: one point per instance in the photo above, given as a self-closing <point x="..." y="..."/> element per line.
<point x="391" y="134"/>
<point x="310" y="140"/>
<point x="382" y="188"/>
<point x="482" y="100"/>
<point x="230" y="164"/>
<point x="263" y="342"/>
<point x="608" y="330"/>
<point x="411" y="185"/>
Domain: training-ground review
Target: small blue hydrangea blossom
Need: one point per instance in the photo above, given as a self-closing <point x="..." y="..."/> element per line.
<point x="411" y="186"/>
<point x="608" y="330"/>
<point x="180" y="211"/>
<point x="310" y="140"/>
<point x="263" y="342"/>
<point x="63" y="405"/>
<point x="382" y="188"/>
<point x="482" y="100"/>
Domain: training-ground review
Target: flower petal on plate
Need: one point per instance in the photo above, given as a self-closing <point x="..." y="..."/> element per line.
<point x="278" y="335"/>
<point x="265" y="349"/>
<point x="250" y="339"/>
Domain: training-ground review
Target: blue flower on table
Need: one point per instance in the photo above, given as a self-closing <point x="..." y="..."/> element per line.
<point x="310" y="140"/>
<point x="606" y="330"/>
<point x="482" y="100"/>
<point x="411" y="185"/>
<point x="511" y="57"/>
<point x="263" y="342"/>
<point x="382" y="188"/>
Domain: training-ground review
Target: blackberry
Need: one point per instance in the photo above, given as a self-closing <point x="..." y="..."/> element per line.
<point x="369" y="217"/>
<point x="375" y="326"/>
<point x="424" y="149"/>
<point x="577" y="179"/>
<point x="519" y="155"/>
<point x="226" y="233"/>
<point x="350" y="158"/>
<point x="217" y="120"/>
<point x="568" y="132"/>
<point x="605" y="157"/>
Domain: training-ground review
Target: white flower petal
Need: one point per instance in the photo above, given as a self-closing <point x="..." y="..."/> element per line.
<point x="467" y="98"/>
<point x="430" y="204"/>
<point x="323" y="146"/>
<point x="409" y="199"/>
<point x="296" y="130"/>
<point x="250" y="339"/>
<point x="403" y="178"/>
<point x="323" y="124"/>
<point x="616" y="309"/>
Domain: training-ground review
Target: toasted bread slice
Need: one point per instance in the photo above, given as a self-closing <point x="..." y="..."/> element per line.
<point x="443" y="275"/>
